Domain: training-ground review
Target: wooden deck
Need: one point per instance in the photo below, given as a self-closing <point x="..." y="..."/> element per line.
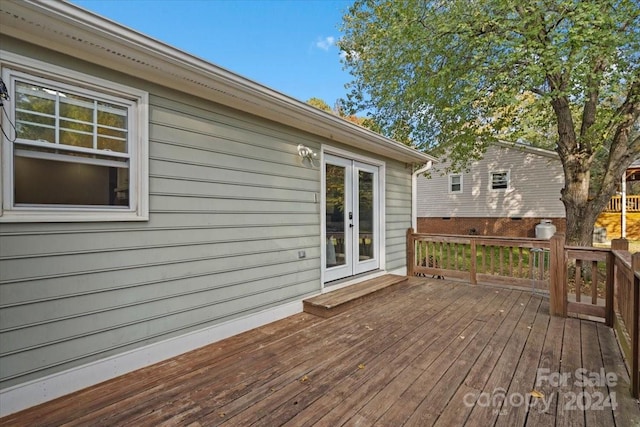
<point x="333" y="303"/>
<point x="432" y="352"/>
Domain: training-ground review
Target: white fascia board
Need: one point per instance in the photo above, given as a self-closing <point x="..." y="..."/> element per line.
<point x="71" y="30"/>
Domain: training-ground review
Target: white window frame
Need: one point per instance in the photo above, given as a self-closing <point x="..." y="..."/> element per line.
<point x="451" y="190"/>
<point x="508" y="175"/>
<point x="15" y="66"/>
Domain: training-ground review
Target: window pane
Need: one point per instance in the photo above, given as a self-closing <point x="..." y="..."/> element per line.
<point x="335" y="209"/>
<point x="77" y="108"/>
<point x="456" y="183"/>
<point x="112" y="122"/>
<point x="55" y="182"/>
<point x="76" y="139"/>
<point x="35" y="128"/>
<point x="35" y="98"/>
<point x="365" y="212"/>
<point x="35" y="110"/>
<point x="76" y="126"/>
<point x="111" y="144"/>
<point x="83" y="121"/>
<point x="112" y="115"/>
<point x="499" y="181"/>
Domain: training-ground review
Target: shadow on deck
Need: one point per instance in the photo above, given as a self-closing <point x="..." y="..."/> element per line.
<point x="431" y="352"/>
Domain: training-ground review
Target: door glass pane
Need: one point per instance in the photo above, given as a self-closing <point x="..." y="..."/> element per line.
<point x="365" y="210"/>
<point x="335" y="224"/>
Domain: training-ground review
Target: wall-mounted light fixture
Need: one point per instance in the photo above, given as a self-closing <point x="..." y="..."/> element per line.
<point x="307" y="154"/>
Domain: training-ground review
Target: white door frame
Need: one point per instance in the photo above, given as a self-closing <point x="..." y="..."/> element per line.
<point x="363" y="162"/>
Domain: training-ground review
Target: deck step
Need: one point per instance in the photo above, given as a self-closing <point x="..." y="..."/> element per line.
<point x="336" y="302"/>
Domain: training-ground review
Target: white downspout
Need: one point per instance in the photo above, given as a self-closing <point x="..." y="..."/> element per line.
<point x="414" y="194"/>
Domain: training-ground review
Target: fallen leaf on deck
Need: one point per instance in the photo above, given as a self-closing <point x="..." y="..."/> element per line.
<point x="537" y="394"/>
<point x="461" y="337"/>
<point x="361" y="366"/>
<point x="221" y="414"/>
<point x="304" y="379"/>
<point x="368" y="327"/>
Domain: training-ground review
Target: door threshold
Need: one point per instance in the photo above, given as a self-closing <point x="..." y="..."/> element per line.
<point x="351" y="280"/>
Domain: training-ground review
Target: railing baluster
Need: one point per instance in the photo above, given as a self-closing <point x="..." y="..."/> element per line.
<point x="540" y="258"/>
<point x="491" y="261"/>
<point x="473" y="260"/>
<point x="510" y="249"/>
<point x="578" y="276"/>
<point x="594" y="282"/>
<point x="520" y="261"/>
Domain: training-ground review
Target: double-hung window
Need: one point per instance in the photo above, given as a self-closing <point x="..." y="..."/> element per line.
<point x="75" y="147"/>
<point x="500" y="180"/>
<point x="455" y="183"/>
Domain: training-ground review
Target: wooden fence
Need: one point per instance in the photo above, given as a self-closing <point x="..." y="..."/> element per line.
<point x="595" y="282"/>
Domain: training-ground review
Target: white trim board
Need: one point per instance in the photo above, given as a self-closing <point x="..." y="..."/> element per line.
<point x="22" y="396"/>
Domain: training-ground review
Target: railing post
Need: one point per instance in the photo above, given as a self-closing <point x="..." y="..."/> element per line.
<point x="609" y="287"/>
<point x="557" y="282"/>
<point x="635" y="335"/>
<point x="411" y="255"/>
<point x="620" y="244"/>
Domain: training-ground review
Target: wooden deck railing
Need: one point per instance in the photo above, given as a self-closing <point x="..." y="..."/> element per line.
<point x="509" y="261"/>
<point x="596" y="282"/>
<point x="626" y="308"/>
<point x="615" y="204"/>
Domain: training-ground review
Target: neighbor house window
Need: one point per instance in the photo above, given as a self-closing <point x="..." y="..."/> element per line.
<point x="499" y="180"/>
<point x="455" y="183"/>
<point x="77" y="149"/>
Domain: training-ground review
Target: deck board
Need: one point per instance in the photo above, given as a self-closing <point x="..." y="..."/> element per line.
<point x="571" y="360"/>
<point x="412" y="356"/>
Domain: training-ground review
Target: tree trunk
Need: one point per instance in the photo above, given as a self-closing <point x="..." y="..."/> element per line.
<point x="581" y="219"/>
<point x="576" y="161"/>
<point x="581" y="212"/>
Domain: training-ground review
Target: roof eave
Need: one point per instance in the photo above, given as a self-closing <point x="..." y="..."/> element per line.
<point x="528" y="148"/>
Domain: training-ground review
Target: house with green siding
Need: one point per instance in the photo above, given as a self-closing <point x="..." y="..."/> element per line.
<point x="153" y="203"/>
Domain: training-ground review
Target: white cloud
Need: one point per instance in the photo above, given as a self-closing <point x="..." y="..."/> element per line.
<point x="325" y="43"/>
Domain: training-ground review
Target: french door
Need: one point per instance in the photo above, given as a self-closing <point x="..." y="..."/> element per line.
<point x="352" y="228"/>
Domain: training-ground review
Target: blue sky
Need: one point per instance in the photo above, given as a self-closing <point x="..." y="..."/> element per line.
<point x="288" y="45"/>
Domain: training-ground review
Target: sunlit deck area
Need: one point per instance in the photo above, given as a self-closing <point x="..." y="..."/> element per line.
<point x="430" y="352"/>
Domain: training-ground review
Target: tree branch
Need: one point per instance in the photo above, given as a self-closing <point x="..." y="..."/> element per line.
<point x="591" y="102"/>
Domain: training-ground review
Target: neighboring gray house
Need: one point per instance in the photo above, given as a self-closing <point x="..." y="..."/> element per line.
<point x="506" y="193"/>
<point x="153" y="203"/>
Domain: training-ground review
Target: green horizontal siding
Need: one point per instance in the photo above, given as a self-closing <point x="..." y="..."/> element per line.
<point x="230" y="207"/>
<point x="231" y="204"/>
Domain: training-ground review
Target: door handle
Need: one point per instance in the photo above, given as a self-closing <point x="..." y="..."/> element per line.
<point x="350" y="225"/>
